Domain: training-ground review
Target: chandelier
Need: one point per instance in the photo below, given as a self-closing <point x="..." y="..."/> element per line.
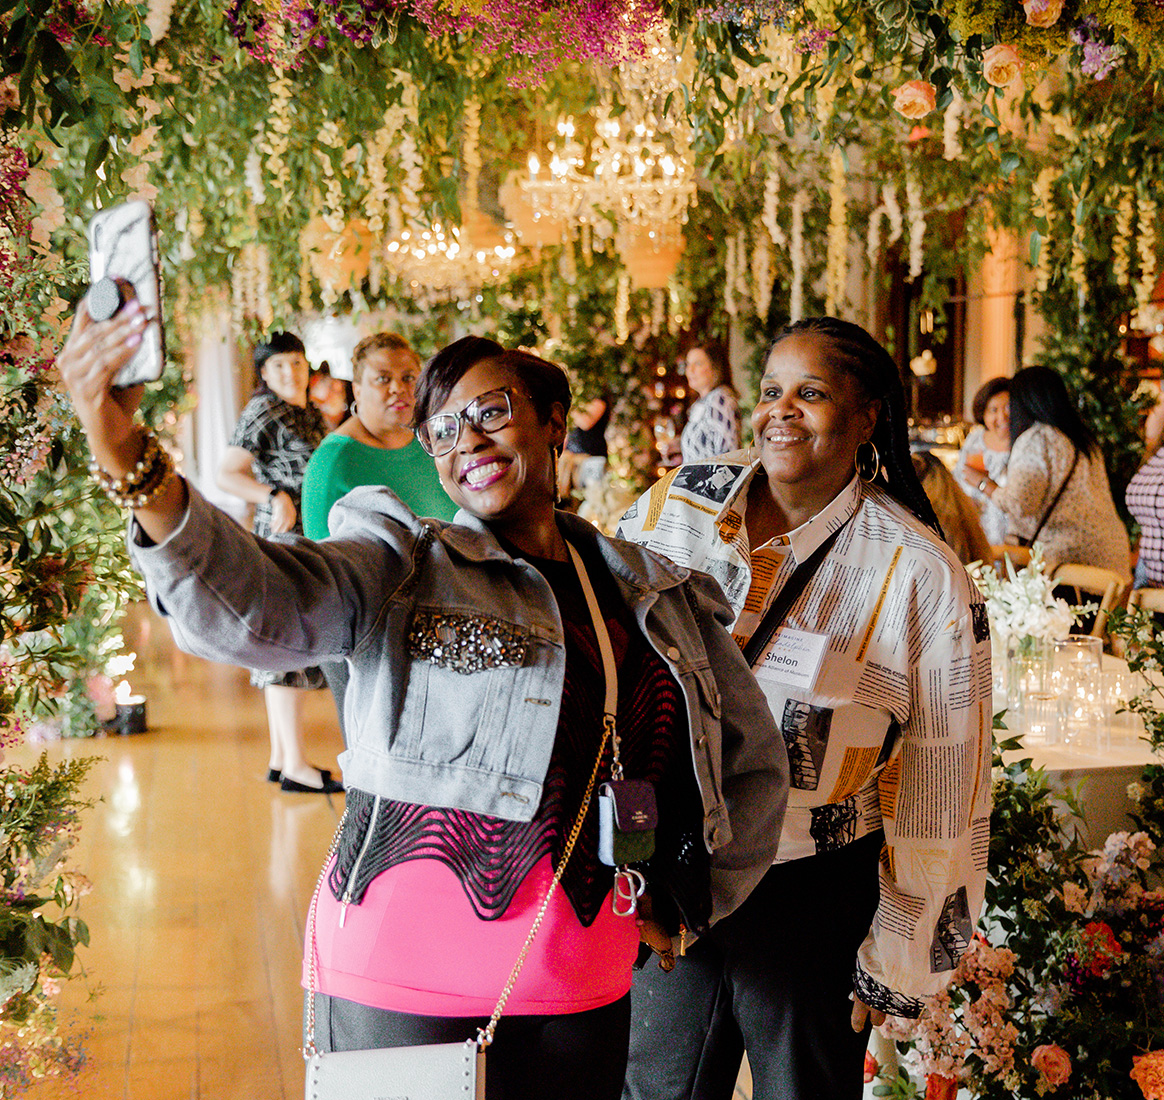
<point x="449" y="262"/>
<point x="629" y="176"/>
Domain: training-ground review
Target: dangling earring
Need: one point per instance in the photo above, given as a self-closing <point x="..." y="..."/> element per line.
<point x="752" y="451"/>
<point x="867" y="466"/>
<point x="554" y="453"/>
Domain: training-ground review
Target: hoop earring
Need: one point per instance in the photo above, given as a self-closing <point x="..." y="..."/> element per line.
<point x="867" y="466"/>
<point x="353" y="408"/>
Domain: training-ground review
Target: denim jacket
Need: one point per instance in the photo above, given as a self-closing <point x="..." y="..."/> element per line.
<point x="456" y="655"/>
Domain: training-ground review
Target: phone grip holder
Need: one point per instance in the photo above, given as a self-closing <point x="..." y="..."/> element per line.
<point x="104" y="299"/>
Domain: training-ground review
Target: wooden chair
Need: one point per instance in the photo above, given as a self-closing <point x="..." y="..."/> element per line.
<point x="1090" y="580"/>
<point x="1019" y="556"/>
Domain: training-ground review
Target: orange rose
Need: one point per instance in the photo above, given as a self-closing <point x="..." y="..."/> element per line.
<point x="1053" y="1062"/>
<point x="1043" y="13"/>
<point x="1000" y="65"/>
<point x="1148" y="1073"/>
<point x="914" y="98"/>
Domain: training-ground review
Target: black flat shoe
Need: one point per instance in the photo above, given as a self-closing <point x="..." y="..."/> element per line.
<point x="330" y="786"/>
<point x="276" y="776"/>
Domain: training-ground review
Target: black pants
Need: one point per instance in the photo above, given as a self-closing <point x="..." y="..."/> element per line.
<point x="774" y="979"/>
<point x="575" y="1056"/>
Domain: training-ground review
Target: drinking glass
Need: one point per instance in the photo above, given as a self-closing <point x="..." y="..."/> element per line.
<point x="1078" y="684"/>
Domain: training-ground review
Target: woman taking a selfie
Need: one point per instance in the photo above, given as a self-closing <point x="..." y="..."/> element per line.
<point x="482" y="655"/>
<point x="872" y="648"/>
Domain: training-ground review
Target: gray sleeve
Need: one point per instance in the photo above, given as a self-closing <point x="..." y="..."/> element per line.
<point x="754" y="759"/>
<point x="275" y="604"/>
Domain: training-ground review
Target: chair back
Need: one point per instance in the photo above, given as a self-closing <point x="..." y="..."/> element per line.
<point x="1092" y="580"/>
<point x="1150" y="599"/>
<point x="1019" y="556"/>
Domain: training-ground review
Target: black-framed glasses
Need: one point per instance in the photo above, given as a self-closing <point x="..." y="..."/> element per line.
<point x="489" y="412"/>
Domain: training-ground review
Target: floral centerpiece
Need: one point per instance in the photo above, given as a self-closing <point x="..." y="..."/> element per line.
<point x="1025" y="617"/>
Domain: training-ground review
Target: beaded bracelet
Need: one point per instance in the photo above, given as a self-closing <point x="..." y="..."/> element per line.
<point x="144" y="482"/>
<point x="132" y="481"/>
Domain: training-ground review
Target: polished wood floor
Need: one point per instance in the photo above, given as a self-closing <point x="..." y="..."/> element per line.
<point x="202" y="874"/>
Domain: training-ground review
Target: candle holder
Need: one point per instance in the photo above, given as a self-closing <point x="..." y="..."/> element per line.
<point x="131" y="715"/>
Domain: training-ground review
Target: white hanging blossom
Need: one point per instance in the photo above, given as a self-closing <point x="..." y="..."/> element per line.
<point x="952" y="128"/>
<point x="278" y="132"/>
<point x="729" y="278"/>
<point x="675" y="317"/>
<point x="837" y="263"/>
<point x="1044" y="207"/>
<point x="253" y="174"/>
<point x="568" y="262"/>
<point x="892" y="212"/>
<point x="410" y="163"/>
<point x="743" y="287"/>
<point x="917" y="226"/>
<point x="1146" y="248"/>
<point x="796" y="297"/>
<point x="658" y="310"/>
<point x="761" y="273"/>
<point x="333" y="199"/>
<point x="622" y="309"/>
<point x="378" y="200"/>
<point x="771" y="205"/>
<point x="158" y="19"/>
<point x="1121" y="243"/>
<point x="873" y="236"/>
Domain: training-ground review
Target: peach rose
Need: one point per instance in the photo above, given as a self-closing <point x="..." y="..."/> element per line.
<point x="1148" y="1073"/>
<point x="1000" y="65"/>
<point x="872" y="1068"/>
<point x="914" y="98"/>
<point x="1053" y="1062"/>
<point x="1043" y="13"/>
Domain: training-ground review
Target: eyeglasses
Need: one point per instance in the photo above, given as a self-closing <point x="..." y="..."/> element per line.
<point x="488" y="413"/>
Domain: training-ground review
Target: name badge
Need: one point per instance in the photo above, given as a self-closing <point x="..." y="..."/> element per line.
<point x="793" y="658"/>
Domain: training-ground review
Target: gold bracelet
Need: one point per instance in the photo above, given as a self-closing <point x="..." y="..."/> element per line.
<point x="132" y="481"/>
<point x="144" y="483"/>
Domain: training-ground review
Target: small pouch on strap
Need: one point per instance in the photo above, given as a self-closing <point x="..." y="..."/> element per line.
<point x="627" y="819"/>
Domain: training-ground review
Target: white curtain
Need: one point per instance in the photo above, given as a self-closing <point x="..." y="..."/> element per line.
<point x="218" y="407"/>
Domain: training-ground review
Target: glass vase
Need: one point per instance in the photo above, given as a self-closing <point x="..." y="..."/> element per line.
<point x="1030" y="692"/>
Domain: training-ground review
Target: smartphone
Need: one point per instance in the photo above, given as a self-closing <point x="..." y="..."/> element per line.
<point x="123" y="245"/>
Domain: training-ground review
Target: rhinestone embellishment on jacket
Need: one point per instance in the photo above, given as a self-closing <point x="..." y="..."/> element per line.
<point x="464" y="643"/>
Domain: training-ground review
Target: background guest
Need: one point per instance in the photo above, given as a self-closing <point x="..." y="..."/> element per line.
<point x="957" y="516"/>
<point x="1057" y="491"/>
<point x="884" y="703"/>
<point x="374" y="446"/>
<point x="583" y="459"/>
<point x="986" y="452"/>
<point x="330" y="395"/>
<point x="713" y="422"/>
<point x="1145" y="500"/>
<point x="272" y="442"/>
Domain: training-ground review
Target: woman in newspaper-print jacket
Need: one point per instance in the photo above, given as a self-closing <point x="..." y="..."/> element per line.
<point x="879" y="680"/>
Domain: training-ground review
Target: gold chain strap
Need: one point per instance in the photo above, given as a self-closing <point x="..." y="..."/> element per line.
<point x="485" y="1035"/>
<point x="308" y="1049"/>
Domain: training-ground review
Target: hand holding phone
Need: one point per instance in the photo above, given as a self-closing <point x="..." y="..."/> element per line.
<point x="123" y="264"/>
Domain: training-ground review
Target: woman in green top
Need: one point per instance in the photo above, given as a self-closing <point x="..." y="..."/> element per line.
<point x="374" y="446"/>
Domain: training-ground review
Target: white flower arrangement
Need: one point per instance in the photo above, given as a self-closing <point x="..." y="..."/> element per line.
<point x="837" y="267"/>
<point x="1021" y="604"/>
<point x="796" y="298"/>
<point x="1146" y="246"/>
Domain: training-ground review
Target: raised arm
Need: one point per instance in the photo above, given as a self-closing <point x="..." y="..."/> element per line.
<point x="88" y="363"/>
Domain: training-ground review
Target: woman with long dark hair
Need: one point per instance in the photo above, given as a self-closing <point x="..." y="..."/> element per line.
<point x="872" y="648"/>
<point x="1057" y="492"/>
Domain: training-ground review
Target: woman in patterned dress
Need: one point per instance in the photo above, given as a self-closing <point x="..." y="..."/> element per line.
<point x="713" y="424"/>
<point x="274" y="438"/>
<point x="879" y="680"/>
<point x="986" y="453"/>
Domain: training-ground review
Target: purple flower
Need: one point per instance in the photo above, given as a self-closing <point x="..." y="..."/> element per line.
<point x="1099" y="60"/>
